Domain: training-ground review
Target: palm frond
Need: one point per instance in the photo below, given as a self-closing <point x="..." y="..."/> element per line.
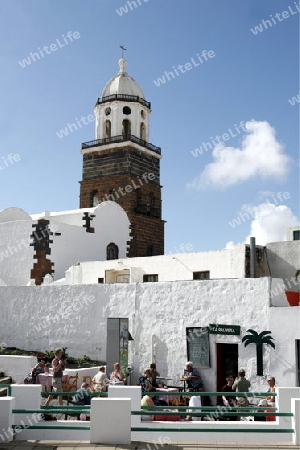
<point x="252" y="332"/>
<point x="248" y="339"/>
<point x="269" y="342"/>
<point x="264" y="333"/>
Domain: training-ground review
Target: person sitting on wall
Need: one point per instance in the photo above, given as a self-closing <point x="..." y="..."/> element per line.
<point x="272" y="388"/>
<point x="82" y="395"/>
<point x="147" y="401"/>
<point x="36" y="370"/>
<point x="145" y="382"/>
<point x="193" y="378"/>
<point x="117" y="376"/>
<point x="194" y="401"/>
<point x="100" y="381"/>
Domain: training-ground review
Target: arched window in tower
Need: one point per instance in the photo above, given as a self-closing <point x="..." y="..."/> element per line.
<point x="94" y="199"/>
<point x="112" y="251"/>
<point x="143" y="131"/>
<point x="126" y="127"/>
<point x="139" y="205"/>
<point x="107" y="129"/>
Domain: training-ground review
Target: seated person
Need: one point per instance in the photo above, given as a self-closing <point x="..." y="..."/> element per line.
<point x="147" y="401"/>
<point x="195" y="400"/>
<point x="47" y="369"/>
<point x="82" y="395"/>
<point x="145" y="382"/>
<point x="154" y="374"/>
<point x="117" y="376"/>
<point x="230" y="400"/>
<point x="36" y="370"/>
<point x="272" y="388"/>
<point x="100" y="381"/>
<point x="193" y="378"/>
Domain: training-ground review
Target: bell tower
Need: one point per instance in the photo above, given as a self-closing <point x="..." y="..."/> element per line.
<point x="121" y="164"/>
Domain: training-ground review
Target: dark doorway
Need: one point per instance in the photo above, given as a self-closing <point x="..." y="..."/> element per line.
<point x="298" y="361"/>
<point x="227" y="363"/>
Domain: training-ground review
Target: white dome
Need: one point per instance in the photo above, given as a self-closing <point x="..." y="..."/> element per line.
<point x="122" y="83"/>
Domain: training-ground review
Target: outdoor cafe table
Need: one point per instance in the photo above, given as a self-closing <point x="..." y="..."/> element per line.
<point x="168" y="398"/>
<point x="46" y="379"/>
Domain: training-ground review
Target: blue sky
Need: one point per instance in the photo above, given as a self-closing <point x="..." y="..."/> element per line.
<point x="253" y="177"/>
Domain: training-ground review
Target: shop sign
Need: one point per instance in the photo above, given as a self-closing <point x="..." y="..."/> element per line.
<point x="224" y="329"/>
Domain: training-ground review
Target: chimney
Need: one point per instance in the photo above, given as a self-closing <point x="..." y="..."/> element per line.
<point x="252" y="258"/>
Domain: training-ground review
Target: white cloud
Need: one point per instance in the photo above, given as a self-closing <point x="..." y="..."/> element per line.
<point x="260" y="154"/>
<point x="230" y="245"/>
<point x="271" y="223"/>
<point x="268" y="222"/>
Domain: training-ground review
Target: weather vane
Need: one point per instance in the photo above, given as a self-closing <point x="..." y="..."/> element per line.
<point x="123" y="49"/>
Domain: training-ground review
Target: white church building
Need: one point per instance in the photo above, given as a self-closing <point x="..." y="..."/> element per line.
<point x="64" y="275"/>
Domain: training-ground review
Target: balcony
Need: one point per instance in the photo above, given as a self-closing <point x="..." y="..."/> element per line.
<point x="121" y="138"/>
<point x="123" y="97"/>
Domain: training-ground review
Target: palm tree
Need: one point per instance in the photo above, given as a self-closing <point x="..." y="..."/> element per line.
<point x="258" y="340"/>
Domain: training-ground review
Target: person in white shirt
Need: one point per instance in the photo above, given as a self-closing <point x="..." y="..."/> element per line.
<point x="195" y="401"/>
<point x="100" y="381"/>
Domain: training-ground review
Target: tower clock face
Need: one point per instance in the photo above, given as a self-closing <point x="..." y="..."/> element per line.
<point x="107" y="111"/>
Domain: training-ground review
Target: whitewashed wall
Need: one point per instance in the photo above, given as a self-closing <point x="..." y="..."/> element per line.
<point x="76" y="316"/>
<point x="285" y="330"/>
<point x="284" y="261"/>
<point x="16" y="256"/>
<point x="17" y="367"/>
<point x="229" y="263"/>
<point x="75" y="244"/>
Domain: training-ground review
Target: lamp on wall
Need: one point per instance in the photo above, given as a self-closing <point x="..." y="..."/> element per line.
<point x="130" y="338"/>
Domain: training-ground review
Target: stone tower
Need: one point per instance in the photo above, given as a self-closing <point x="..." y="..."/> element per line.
<point x="122" y="166"/>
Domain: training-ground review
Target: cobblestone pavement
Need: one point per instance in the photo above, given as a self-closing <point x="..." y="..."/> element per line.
<point x="85" y="445"/>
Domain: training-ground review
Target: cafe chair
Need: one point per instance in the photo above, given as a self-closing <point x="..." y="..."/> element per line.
<point x="71" y="383"/>
<point x="87" y="379"/>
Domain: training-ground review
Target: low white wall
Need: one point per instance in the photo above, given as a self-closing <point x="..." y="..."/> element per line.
<point x="6" y="419"/>
<point x="105" y="413"/>
<point x="17" y="367"/>
<point x="111" y="421"/>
